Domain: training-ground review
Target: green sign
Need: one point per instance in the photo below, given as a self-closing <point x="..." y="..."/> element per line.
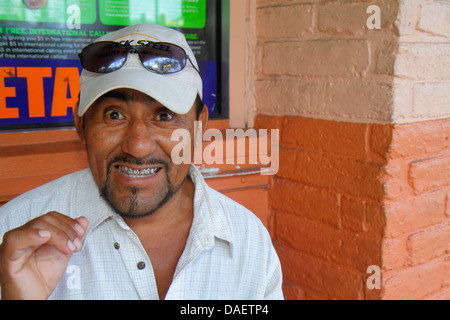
<point x="190" y="14"/>
<point x="57" y="11"/>
<point x="169" y="13"/>
<point x="40" y="41"/>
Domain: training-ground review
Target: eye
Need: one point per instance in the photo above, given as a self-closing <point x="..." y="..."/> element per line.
<point x="113" y="115"/>
<point x="164" y="116"/>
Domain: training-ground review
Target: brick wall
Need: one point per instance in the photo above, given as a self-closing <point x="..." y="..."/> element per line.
<point x="364" y="165"/>
<point x="417" y="239"/>
<point x="331" y="79"/>
<point x="351" y="195"/>
<point x="327" y="217"/>
<point x="422" y="77"/>
<point x="318" y="59"/>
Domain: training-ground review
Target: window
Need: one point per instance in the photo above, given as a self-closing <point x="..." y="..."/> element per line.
<point x="39" y="46"/>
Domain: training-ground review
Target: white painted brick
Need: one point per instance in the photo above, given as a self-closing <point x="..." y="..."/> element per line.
<point x="431" y="99"/>
<point x="429" y="61"/>
<point x="435" y="18"/>
<point x="342" y="58"/>
<point x="283" y="22"/>
<point x="408" y="16"/>
<point x="402" y="106"/>
<point x="334" y="100"/>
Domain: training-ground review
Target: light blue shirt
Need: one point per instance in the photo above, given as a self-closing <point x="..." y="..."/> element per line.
<point x="228" y="255"/>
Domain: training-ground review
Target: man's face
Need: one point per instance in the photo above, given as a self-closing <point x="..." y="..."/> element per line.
<point x="128" y="141"/>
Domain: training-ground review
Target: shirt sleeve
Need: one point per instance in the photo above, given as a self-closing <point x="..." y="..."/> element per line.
<point x="274" y="284"/>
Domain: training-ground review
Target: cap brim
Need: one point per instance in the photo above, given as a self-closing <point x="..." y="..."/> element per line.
<point x="175" y="94"/>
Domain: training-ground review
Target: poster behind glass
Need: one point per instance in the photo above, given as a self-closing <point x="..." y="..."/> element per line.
<point x="40" y="41"/>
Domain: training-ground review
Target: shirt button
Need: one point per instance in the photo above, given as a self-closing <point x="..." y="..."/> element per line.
<point x="141" y="265"/>
<point x="116" y="245"/>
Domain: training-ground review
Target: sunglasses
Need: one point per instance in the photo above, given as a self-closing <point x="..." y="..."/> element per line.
<point x="159" y="57"/>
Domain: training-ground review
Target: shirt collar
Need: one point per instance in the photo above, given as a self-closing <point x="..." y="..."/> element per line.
<point x="94" y="208"/>
<point x="210" y="220"/>
<point x="209" y="215"/>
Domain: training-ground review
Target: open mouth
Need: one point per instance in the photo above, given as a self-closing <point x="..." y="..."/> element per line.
<point x="136" y="173"/>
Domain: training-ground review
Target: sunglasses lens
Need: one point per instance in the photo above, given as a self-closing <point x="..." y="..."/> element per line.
<point x="103" y="57"/>
<point x="163" y="58"/>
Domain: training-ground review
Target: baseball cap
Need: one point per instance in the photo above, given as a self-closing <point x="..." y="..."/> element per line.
<point x="176" y="91"/>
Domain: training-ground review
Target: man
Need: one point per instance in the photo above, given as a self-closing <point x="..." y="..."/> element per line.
<point x="135" y="225"/>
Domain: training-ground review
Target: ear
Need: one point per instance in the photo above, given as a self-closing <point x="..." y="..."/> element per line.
<point x="79" y="122"/>
<point x="204" y="116"/>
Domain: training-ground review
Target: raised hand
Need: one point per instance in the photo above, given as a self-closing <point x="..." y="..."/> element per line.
<point x="34" y="257"/>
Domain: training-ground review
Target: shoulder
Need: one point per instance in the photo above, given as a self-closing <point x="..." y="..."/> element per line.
<point x="247" y="232"/>
<point x="48" y="197"/>
<point x="225" y="212"/>
<point x="251" y="246"/>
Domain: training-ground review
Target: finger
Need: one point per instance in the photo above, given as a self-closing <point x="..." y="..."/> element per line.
<point x="81" y="225"/>
<point x="20" y="243"/>
<point x="62" y="237"/>
<point x="68" y="225"/>
<point x="65" y="223"/>
<point x="73" y="228"/>
<point x="53" y="228"/>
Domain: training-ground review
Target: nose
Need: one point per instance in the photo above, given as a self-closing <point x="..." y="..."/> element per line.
<point x="139" y="142"/>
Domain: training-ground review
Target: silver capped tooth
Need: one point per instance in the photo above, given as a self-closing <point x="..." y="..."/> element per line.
<point x="136" y="173"/>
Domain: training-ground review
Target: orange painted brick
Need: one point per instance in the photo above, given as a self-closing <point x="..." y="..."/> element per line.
<point x="345" y="247"/>
<point x="326" y="171"/>
<point x="288" y="165"/>
<point x="443" y="294"/>
<point x="267" y="122"/>
<point x="447" y="204"/>
<point x="375" y="219"/>
<point x="406" y="216"/>
<point x="308" y="236"/>
<point x="380" y="140"/>
<point x="309" y="202"/>
<point x="415" y="283"/>
<point x="416" y="140"/>
<point x="293" y="292"/>
<point x="396" y="179"/>
<point x="354" y="214"/>
<point x="430" y="174"/>
<point x="447" y="270"/>
<point x="330" y="280"/>
<point x="394" y="254"/>
<point x="427" y="244"/>
<point x="341" y="138"/>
